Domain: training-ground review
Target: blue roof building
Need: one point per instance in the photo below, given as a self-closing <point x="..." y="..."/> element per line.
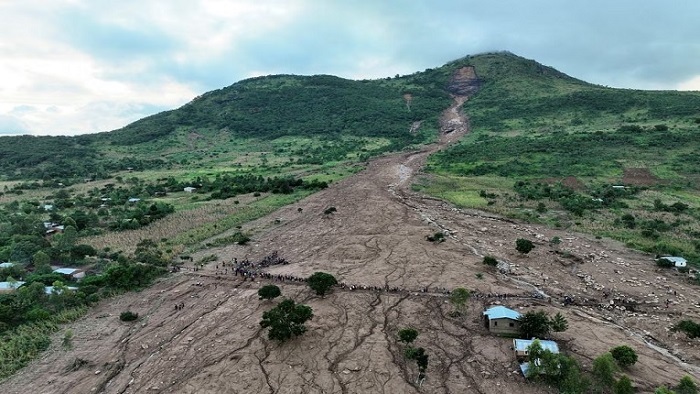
<point x="501" y="320"/>
<point x="521" y="346"/>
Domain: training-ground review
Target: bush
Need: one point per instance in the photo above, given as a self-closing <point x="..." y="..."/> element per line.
<point x="437" y="237"/>
<point x="269" y="292"/>
<point x="689" y="327"/>
<point x="329" y="210"/>
<point x="128" y="316"/>
<point x="624" y="355"/>
<point x="687" y="386"/>
<point x="524" y="246"/>
<point x="490" y="260"/>
<point x="408" y="335"/>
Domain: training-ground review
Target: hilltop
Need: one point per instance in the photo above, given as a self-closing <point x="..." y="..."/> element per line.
<point x="402" y="188"/>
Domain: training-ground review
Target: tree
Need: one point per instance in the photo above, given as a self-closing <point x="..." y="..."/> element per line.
<point x="603" y="372"/>
<point x="66" y="240"/>
<point x="321" y="282"/>
<point x="269" y="292"/>
<point x="148" y="252"/>
<point x="558" y="323"/>
<point x="623" y="386"/>
<point x="524" y="246"/>
<point x="490" y="260"/>
<point x="41" y="263"/>
<point x="408" y="335"/>
<point x="534" y="324"/>
<point x="286" y="320"/>
<point x="459" y="298"/>
<point x="421" y="358"/>
<point x="535" y="353"/>
<point x="687" y="386"/>
<point x="624" y="355"/>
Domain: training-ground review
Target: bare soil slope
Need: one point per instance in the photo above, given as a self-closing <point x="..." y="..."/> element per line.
<point x="376" y="240"/>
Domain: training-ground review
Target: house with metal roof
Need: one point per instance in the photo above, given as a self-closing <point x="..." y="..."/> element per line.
<point x="9" y="287"/>
<point x="74" y="273"/>
<point x="6" y="265"/>
<point x="53" y="290"/>
<point x="678" y="262"/>
<point x="521" y="347"/>
<point x="502" y="320"/>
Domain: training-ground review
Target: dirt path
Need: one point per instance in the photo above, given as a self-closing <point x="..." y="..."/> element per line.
<point x="376" y="238"/>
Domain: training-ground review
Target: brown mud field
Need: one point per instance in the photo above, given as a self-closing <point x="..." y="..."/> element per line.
<point x="376" y="239"/>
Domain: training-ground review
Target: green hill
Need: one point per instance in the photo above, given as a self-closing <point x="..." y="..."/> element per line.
<point x="543" y="146"/>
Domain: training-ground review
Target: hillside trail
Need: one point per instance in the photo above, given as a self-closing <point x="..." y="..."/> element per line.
<point x="375" y="242"/>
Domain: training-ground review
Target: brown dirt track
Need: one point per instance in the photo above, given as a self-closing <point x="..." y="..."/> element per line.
<point x="376" y="238"/>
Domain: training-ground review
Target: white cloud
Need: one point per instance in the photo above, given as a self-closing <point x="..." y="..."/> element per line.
<point x="78" y="66"/>
<point x="690" y="84"/>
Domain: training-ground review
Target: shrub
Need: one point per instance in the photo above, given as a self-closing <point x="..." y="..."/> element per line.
<point x="269" y="292"/>
<point x="128" y="316"/>
<point x="490" y="260"/>
<point x="687" y="386"/>
<point x="623" y="386"/>
<point x="408" y="335"/>
<point x="524" y="246"/>
<point x="329" y="210"/>
<point x="436" y="238"/>
<point x="689" y="327"/>
<point x="624" y="355"/>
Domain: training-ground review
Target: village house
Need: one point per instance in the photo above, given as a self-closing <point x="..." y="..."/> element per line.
<point x="9" y="287"/>
<point x="501" y="320"/>
<point x="521" y="347"/>
<point x="74" y="273"/>
<point x="6" y="265"/>
<point x="189" y="189"/>
<point x="678" y="262"/>
<point x="53" y="290"/>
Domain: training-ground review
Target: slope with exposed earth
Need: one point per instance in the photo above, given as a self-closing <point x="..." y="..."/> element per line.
<point x="376" y="240"/>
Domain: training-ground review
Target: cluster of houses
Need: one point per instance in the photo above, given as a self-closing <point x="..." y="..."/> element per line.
<point x="505" y="321"/>
<point x="72" y="273"/>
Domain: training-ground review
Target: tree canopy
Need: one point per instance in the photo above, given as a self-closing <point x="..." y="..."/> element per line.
<point x="286" y="320"/>
<point x="321" y="282"/>
<point x="269" y="292"/>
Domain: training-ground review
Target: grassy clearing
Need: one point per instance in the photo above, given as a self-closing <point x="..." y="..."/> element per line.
<point x="21" y="345"/>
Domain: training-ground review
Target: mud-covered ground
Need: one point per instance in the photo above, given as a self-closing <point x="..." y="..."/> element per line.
<point x="377" y="238"/>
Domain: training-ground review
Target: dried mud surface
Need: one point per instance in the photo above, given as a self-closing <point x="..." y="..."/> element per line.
<point x="376" y="238"/>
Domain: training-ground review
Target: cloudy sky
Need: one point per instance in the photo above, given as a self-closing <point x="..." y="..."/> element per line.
<point x="80" y="66"/>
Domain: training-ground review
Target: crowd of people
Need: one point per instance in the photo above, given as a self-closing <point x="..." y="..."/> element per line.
<point x="249" y="270"/>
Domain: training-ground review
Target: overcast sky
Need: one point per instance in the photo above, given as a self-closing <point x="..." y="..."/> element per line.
<point x="81" y="66"/>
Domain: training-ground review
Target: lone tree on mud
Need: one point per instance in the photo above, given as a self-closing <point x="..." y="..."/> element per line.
<point x="286" y="320"/>
<point x="421" y="358"/>
<point x="321" y="282"/>
<point x="269" y="292"/>
<point x="624" y="356"/>
<point x="408" y="335"/>
<point x="458" y="299"/>
<point x="523" y="245"/>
